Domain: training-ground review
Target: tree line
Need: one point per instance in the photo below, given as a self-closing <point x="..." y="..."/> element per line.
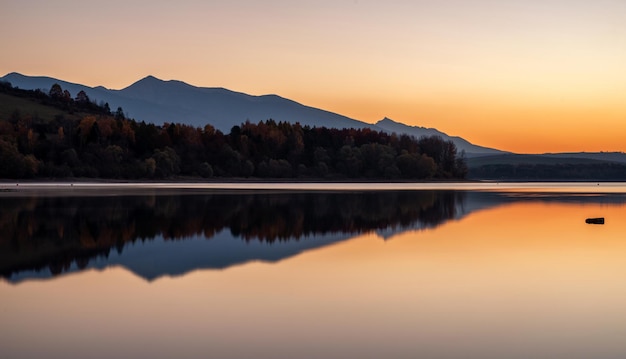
<point x="89" y="140"/>
<point x="601" y="171"/>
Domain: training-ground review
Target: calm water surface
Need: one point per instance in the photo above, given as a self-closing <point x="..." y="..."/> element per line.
<point x="363" y="271"/>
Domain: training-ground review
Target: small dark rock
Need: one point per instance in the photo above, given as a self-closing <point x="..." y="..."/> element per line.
<point x="595" y="220"/>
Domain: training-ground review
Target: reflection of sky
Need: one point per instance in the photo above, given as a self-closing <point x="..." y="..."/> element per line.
<point x="158" y="257"/>
<point x="524" y="280"/>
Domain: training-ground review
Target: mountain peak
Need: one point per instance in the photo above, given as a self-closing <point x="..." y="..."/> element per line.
<point x="13" y="74"/>
<point x="386" y="120"/>
<point x="149" y="79"/>
<point x="398" y="125"/>
<point x="154" y="83"/>
<point x="148" y="83"/>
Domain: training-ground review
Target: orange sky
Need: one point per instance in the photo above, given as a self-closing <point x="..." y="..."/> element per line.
<point x="525" y="76"/>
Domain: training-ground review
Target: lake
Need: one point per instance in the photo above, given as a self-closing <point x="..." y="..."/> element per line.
<point x="245" y="270"/>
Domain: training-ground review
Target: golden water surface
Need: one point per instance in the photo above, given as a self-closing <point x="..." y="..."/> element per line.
<point x="526" y="279"/>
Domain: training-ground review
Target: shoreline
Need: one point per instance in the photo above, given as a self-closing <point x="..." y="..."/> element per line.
<point x="109" y="187"/>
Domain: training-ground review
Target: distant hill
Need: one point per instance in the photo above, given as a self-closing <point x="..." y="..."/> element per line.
<point x="619" y="157"/>
<point x="517" y="159"/>
<point x="470" y="149"/>
<point x="157" y="101"/>
<point x="224" y="108"/>
<point x="606" y="166"/>
<point x="548" y="159"/>
<point x="56" y="136"/>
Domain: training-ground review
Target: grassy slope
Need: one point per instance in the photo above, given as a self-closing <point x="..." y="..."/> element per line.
<point x="25" y="106"/>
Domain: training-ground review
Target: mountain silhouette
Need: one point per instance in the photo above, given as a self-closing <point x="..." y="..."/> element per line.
<point x="461" y="144"/>
<point x="157" y="101"/>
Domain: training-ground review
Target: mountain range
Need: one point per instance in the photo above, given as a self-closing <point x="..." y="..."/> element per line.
<point x="158" y="101"/>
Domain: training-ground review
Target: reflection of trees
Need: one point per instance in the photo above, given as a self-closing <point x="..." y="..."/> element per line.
<point x="54" y="232"/>
<point x="283" y="217"/>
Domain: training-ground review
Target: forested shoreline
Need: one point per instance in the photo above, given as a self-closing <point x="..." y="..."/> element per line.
<point x="89" y="140"/>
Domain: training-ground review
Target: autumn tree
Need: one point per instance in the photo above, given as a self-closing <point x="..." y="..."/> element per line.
<point x="56" y="92"/>
<point x="82" y="97"/>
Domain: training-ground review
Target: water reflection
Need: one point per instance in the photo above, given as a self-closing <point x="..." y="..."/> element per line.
<point x="518" y="275"/>
<point x="175" y="232"/>
<point x="49" y="235"/>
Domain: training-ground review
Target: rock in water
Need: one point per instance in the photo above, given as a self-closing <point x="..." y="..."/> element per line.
<point x="599" y="220"/>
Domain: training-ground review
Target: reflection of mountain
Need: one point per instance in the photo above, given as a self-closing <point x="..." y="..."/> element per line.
<point x="52" y="235"/>
<point x="159" y="257"/>
<point x="172" y="234"/>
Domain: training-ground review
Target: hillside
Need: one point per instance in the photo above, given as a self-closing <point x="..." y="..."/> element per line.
<point x="223" y="108"/>
<point x="78" y="138"/>
<point x="471" y="150"/>
<point x="545" y="167"/>
<point x="11" y="105"/>
<point x="156" y="101"/>
<point x="517" y="159"/>
<point x="619" y="157"/>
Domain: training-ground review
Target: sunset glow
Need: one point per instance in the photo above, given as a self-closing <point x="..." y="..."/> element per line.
<point x="497" y="293"/>
<point x="525" y="76"/>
